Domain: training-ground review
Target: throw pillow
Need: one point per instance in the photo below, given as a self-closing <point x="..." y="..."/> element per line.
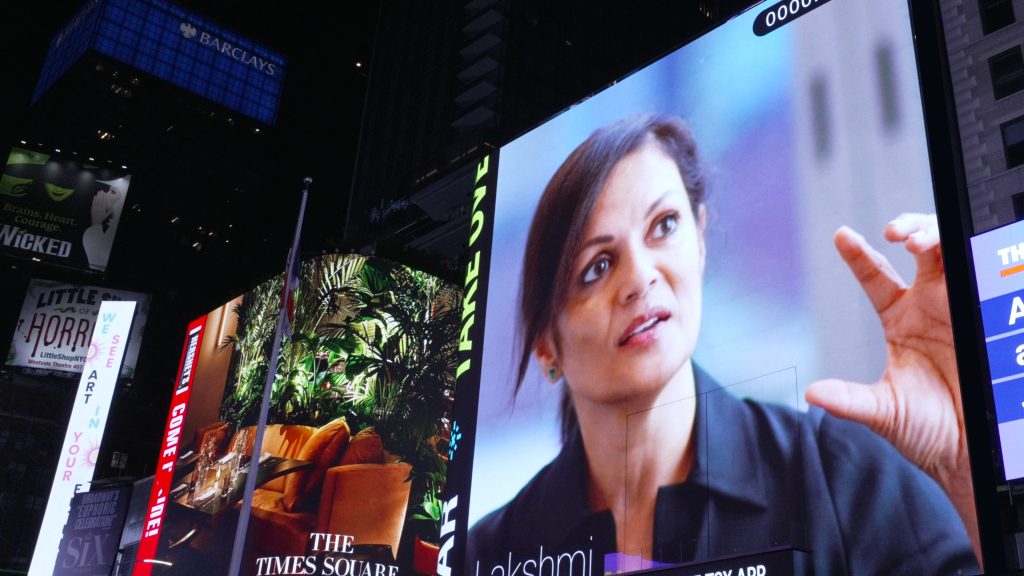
<point x="365" y="448"/>
<point x="302" y="489"/>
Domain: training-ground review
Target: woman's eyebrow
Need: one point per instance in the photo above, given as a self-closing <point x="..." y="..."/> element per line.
<point x="603" y="239"/>
<point x="656" y="203"/>
<point x="606" y="238"/>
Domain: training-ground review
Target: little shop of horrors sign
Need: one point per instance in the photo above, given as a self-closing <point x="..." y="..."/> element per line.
<point x="329" y="555"/>
<point x="57" y="320"/>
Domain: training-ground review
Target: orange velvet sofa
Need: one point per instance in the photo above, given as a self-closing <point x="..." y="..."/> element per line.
<point x="354" y="488"/>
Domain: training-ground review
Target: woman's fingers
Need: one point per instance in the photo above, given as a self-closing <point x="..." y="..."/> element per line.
<point x="919" y="234"/>
<point x="111" y="199"/>
<point x="876" y="275"/>
<point x="847" y="400"/>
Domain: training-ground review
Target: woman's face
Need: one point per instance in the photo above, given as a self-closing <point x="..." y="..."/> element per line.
<point x="632" y="314"/>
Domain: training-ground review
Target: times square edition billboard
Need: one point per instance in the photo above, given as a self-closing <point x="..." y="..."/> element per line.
<point x="354" y="454"/>
<point x="706" y="319"/>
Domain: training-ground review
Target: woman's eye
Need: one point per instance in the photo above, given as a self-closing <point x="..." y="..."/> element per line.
<point x="665" y="226"/>
<point x="595" y="270"/>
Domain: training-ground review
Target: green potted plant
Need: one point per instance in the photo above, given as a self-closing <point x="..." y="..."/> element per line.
<point x="426" y="546"/>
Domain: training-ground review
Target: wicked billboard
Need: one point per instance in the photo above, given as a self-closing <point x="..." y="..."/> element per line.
<point x="353" y="457"/>
<point x="59" y="210"/>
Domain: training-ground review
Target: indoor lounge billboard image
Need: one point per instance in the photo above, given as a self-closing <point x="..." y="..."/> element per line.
<point x="353" y="458"/>
<point x="709" y="320"/>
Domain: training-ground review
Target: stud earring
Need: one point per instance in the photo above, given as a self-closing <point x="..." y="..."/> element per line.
<point x="553" y="375"/>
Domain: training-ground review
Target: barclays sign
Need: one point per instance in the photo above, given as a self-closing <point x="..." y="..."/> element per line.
<point x="162" y="39"/>
<point x="236" y="53"/>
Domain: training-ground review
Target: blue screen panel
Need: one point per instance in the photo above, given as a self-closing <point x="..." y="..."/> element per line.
<point x="162" y="39"/>
<point x="68" y="46"/>
<point x="181" y="48"/>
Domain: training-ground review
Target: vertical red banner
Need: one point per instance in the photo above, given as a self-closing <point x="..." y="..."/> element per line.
<point x="164" y="476"/>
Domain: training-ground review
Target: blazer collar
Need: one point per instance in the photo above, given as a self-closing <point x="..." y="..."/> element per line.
<point x="727" y="464"/>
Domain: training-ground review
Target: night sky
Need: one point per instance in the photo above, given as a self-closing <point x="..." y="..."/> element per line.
<point x="316" y="135"/>
<point x="322" y="103"/>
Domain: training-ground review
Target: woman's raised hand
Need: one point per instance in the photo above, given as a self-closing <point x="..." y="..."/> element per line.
<point x="915" y="404"/>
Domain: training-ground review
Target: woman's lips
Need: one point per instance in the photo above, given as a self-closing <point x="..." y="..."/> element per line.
<point x="644" y="328"/>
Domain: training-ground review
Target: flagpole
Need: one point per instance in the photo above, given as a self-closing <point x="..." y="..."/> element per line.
<point x="257" y="446"/>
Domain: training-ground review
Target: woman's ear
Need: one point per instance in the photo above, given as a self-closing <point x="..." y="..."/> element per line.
<point x="547" y="353"/>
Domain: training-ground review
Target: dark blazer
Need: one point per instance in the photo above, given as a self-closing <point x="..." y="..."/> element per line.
<point x="765" y="476"/>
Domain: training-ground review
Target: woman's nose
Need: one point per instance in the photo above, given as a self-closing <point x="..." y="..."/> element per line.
<point x="639" y="275"/>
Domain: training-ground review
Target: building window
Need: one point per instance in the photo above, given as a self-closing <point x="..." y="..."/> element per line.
<point x="119" y="461"/>
<point x="1013" y="142"/>
<point x="1018" y="206"/>
<point x="995" y="14"/>
<point x="1007" y="70"/>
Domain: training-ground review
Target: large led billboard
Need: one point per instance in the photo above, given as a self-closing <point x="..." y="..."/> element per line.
<point x="998" y="257"/>
<point x="706" y="318"/>
<point x="354" y="453"/>
<point x="77" y="458"/>
<point x="984" y="56"/>
<point x="57" y="209"/>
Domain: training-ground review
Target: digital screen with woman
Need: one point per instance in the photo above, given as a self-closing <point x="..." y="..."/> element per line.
<point x="731" y="331"/>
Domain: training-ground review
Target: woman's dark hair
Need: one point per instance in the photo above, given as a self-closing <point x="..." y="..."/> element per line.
<point x="564" y="211"/>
